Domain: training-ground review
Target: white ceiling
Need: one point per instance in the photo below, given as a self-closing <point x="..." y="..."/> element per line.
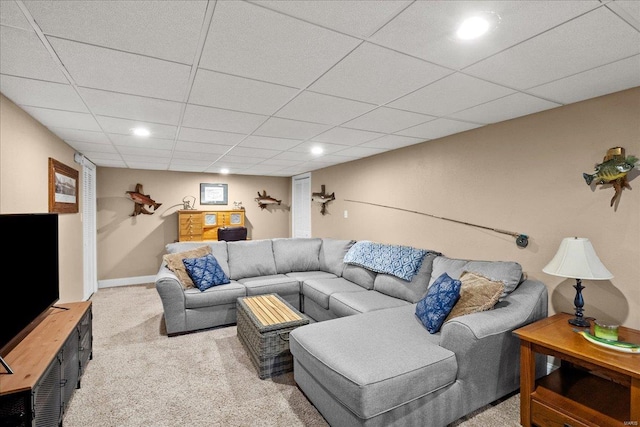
<point x="252" y="86"/>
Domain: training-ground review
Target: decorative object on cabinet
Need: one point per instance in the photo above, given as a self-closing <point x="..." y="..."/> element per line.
<point x="214" y="194"/>
<point x="577" y="259"/>
<point x="196" y="225"/>
<point x="323" y="198"/>
<point x="265" y="200"/>
<point x="141" y="200"/>
<point x="237" y="205"/>
<point x="613" y="170"/>
<point x="63" y="188"/>
<point x="522" y="240"/>
<point x="188" y="204"/>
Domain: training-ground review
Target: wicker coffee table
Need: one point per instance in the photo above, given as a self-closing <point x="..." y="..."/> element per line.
<point x="264" y="323"/>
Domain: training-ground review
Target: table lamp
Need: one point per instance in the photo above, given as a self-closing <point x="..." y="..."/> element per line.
<point x="577" y="259"/>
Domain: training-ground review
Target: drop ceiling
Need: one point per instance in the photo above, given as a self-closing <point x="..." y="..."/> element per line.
<point x="252" y="86"/>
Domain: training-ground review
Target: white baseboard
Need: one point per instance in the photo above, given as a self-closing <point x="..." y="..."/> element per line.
<point x="126" y="281"/>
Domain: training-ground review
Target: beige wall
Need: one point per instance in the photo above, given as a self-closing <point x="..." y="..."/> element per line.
<point x="25" y="148"/>
<point x="133" y="246"/>
<point x="523" y="175"/>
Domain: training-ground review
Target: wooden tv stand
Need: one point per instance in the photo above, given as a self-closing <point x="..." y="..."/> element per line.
<point x="47" y="366"/>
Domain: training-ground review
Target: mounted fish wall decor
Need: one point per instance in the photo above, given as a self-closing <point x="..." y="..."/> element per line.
<point x="265" y="200"/>
<point x="142" y="200"/>
<point x="323" y="198"/>
<point x="613" y="170"/>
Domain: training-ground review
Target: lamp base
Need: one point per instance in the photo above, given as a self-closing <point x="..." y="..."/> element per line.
<point x="580" y="321"/>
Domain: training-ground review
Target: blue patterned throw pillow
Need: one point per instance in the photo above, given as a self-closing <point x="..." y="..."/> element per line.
<point x="434" y="308"/>
<point x="205" y="272"/>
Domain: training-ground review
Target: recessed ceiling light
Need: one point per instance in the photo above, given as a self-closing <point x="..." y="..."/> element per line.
<point x="317" y="150"/>
<point x="224" y="171"/>
<point x="477" y="25"/>
<point x="141" y="132"/>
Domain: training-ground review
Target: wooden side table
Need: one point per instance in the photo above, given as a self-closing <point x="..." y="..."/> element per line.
<point x="593" y="386"/>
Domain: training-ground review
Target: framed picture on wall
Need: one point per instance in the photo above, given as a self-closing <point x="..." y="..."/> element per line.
<point x="214" y="194"/>
<point x="63" y="188"/>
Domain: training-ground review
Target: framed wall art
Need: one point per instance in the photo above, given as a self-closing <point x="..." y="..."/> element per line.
<point x="63" y="188"/>
<point x="214" y="194"/>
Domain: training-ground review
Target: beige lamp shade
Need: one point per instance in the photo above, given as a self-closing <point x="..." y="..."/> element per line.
<point x="576" y="258"/>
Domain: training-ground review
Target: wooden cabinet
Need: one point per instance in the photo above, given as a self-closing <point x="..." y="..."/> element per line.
<point x="593" y="386"/>
<point x="47" y="364"/>
<point x="203" y="225"/>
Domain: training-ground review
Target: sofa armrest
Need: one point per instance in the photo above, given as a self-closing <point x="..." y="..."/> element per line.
<point x="172" y="296"/>
<point x="487" y="351"/>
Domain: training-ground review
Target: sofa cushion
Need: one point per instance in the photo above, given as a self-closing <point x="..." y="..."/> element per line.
<point x="250" y="258"/>
<point x="332" y="254"/>
<point x="508" y="272"/>
<point x="296" y="254"/>
<point x="359" y="275"/>
<point x="372" y="376"/>
<point x="217" y="295"/>
<point x="205" y="272"/>
<point x="412" y="291"/>
<point x="319" y="290"/>
<point x="477" y="293"/>
<point x="301" y="276"/>
<point x="175" y="264"/>
<point x="434" y="308"/>
<point x="218" y="250"/>
<point x="276" y="283"/>
<point x="349" y="303"/>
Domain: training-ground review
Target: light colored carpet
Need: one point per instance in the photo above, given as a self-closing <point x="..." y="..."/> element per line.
<point x="140" y="377"/>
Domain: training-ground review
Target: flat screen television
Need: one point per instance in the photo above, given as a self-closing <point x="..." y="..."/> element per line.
<point x="31" y="252"/>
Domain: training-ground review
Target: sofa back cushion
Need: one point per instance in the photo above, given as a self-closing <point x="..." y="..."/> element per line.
<point x="332" y="254"/>
<point x="297" y="254"/>
<point x="250" y="258"/>
<point x="359" y="275"/>
<point x="507" y="272"/>
<point x="412" y="291"/>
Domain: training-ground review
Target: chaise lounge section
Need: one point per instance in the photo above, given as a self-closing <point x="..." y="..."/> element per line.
<point x="366" y="358"/>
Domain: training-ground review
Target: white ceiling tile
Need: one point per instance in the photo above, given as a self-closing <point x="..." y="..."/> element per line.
<point x="154" y="153"/>
<point x="614" y="77"/>
<point x="438" y="128"/>
<point x="261" y="168"/>
<point x="100" y="68"/>
<point x="149" y="164"/>
<point x="38" y="93"/>
<point x="452" y="93"/>
<point x="262" y="153"/>
<point x="345" y="136"/>
<point x="269" y="142"/>
<point x="294" y="129"/>
<point x="84" y="147"/>
<point x="629" y="10"/>
<point x="131" y="107"/>
<point x="210" y="136"/>
<point x="377" y="75"/>
<point x="194" y="155"/>
<point x="114" y="159"/>
<point x="292" y="155"/>
<point x="360" y="151"/>
<point x="199" y="147"/>
<point x="201" y="163"/>
<point x="387" y="120"/>
<point x="10" y="14"/>
<point x="327" y="148"/>
<point x="218" y="119"/>
<point x="355" y="17"/>
<point x="595" y="39"/>
<point x="237" y="93"/>
<point x="239" y="161"/>
<point x="248" y="40"/>
<point x="107" y="163"/>
<point x="509" y="107"/>
<point x="125" y="127"/>
<point x="23" y="54"/>
<point x="137" y="141"/>
<point x="279" y="162"/>
<point x="391" y="142"/>
<point x="319" y="108"/>
<point x="335" y="159"/>
<point x="185" y="168"/>
<point x="65" y="119"/>
<point x="81" y="135"/>
<point x="162" y="29"/>
<point x="426" y="29"/>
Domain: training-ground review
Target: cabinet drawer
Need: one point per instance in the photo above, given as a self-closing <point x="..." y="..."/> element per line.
<point x="191" y="220"/>
<point x="544" y="416"/>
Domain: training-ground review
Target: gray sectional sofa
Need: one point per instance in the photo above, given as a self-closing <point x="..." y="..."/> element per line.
<point x="366" y="359"/>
